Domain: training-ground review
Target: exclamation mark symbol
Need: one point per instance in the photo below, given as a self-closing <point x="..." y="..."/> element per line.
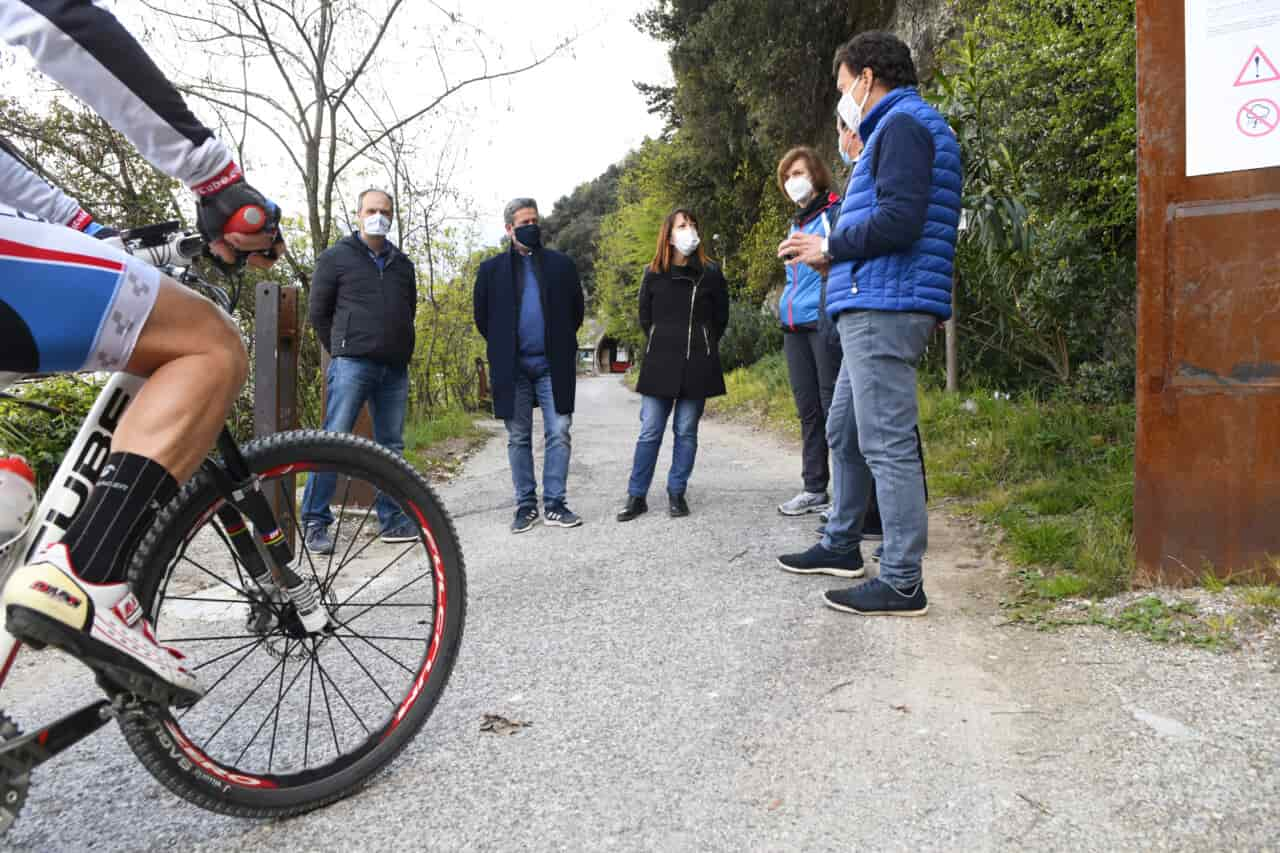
<point x="1257" y="66"/>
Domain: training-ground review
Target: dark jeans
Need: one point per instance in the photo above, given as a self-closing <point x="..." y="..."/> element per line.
<point x="654" y="412"/>
<point x="533" y="381"/>
<point x="812" y="364"/>
<point x="352" y="383"/>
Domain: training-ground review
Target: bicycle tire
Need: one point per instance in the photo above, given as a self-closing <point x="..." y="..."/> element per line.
<point x="190" y="773"/>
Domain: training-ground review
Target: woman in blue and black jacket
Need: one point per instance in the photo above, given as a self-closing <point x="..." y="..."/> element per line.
<point x="812" y="364"/>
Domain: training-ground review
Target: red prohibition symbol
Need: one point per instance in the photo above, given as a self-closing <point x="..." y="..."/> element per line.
<point x="1258" y="117"/>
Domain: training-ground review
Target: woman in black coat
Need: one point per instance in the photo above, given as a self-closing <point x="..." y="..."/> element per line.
<point x="684" y="310"/>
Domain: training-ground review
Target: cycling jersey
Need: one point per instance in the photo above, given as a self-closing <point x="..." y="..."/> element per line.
<point x="85" y="49"/>
<point x="67" y="301"/>
<point x="24" y="190"/>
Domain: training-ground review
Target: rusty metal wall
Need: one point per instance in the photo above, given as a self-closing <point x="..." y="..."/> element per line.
<point x="1207" y="471"/>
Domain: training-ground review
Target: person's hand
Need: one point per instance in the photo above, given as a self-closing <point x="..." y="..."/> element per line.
<point x="802" y="248"/>
<point x="82" y="221"/>
<point x="221" y="198"/>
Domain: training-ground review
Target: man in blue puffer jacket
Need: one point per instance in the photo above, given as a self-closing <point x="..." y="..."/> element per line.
<point x="891" y="256"/>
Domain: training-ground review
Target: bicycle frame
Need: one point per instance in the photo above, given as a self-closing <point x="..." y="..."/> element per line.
<point x="71" y="485"/>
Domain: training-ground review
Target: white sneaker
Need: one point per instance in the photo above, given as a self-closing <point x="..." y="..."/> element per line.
<point x="804" y="503"/>
<point x="47" y="604"/>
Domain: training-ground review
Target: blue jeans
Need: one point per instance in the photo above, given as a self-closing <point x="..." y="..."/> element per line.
<point x="352" y="383"/>
<point x="534" y="381"/>
<point x="871" y="432"/>
<point x="654" y="412"/>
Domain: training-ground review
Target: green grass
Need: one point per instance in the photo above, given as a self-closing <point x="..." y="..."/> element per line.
<point x="1056" y="476"/>
<point x="432" y="443"/>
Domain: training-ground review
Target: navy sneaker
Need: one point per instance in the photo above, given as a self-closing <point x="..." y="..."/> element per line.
<point x="561" y="516"/>
<point x="317" y="538"/>
<point x="877" y="598"/>
<point x="526" y="518"/>
<point x="403" y="530"/>
<point x="822" y="561"/>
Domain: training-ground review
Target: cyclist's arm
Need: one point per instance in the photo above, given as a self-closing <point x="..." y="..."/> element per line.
<point x="84" y="48"/>
<point x="24" y="190"/>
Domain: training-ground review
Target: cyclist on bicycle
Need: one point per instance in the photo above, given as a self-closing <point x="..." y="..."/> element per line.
<point x="68" y="302"/>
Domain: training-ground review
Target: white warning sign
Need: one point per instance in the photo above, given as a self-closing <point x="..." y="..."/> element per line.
<point x="1233" y="85"/>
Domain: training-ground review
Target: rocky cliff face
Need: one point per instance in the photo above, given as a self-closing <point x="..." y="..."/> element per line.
<point x="925" y="25"/>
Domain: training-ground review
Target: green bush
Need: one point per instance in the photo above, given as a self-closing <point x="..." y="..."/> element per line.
<point x="43" y="437"/>
<point x="752" y="334"/>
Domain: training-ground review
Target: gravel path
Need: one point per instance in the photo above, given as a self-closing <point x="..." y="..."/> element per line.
<point x="684" y="694"/>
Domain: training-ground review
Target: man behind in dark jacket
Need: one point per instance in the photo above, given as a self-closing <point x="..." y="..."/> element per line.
<point x="528" y="306"/>
<point x="363" y="299"/>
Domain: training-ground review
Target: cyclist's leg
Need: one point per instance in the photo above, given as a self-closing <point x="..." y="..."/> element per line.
<point x="87" y="306"/>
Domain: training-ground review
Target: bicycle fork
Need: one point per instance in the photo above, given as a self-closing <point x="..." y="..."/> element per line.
<point x="266" y="556"/>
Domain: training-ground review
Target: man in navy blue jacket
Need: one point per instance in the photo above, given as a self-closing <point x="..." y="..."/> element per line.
<point x="891" y="256"/>
<point x="528" y="306"/>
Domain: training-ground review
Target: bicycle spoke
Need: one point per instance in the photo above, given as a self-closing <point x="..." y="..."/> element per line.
<point x="205" y="747"/>
<point x="356" y="636"/>
<point x="341" y="695"/>
<point x="389" y="604"/>
<point x="311" y="686"/>
<point x="315" y="659"/>
<point x="365" y="669"/>
<point x="337" y="535"/>
<point x="365" y="547"/>
<point x="226" y="655"/>
<point x="293" y="515"/>
<point x="205" y="600"/>
<point x="222" y="677"/>
<point x="380" y="637"/>
<point x="220" y="580"/>
<point x="384" y="598"/>
<point x="207" y="639"/>
<point x="330" y="578"/>
<point x="270" y="713"/>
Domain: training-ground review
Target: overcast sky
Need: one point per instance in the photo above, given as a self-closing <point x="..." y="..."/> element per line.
<point x="538" y="134"/>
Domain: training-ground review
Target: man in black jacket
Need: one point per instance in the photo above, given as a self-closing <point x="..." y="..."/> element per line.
<point x="363" y="299"/>
<point x="528" y="306"/>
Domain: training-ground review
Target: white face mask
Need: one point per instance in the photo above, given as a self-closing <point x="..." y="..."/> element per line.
<point x="377" y="225"/>
<point x="685" y="240"/>
<point x="799" y="188"/>
<point x="850" y="110"/>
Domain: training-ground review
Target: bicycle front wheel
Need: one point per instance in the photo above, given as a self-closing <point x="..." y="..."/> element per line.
<point x="293" y="720"/>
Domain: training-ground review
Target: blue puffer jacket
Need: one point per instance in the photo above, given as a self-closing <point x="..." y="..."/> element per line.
<point x="917" y="278"/>
<point x="801" y="299"/>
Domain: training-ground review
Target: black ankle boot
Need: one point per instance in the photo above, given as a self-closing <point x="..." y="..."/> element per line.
<point x="679" y="507"/>
<point x="634" y="507"/>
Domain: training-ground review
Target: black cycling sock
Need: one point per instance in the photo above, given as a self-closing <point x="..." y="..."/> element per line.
<point x="119" y="510"/>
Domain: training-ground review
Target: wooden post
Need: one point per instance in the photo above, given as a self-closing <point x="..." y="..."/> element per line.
<point x="275" y="383"/>
<point x="953" y="356"/>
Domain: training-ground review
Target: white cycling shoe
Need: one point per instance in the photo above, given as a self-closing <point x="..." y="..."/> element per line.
<point x="47" y="604"/>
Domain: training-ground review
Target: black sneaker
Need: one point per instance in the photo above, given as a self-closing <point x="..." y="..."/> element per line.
<point x="561" y="516"/>
<point x="877" y="598"/>
<point x="526" y="518"/>
<point x="634" y="507"/>
<point x="678" y="506"/>
<point x="822" y="561"/>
